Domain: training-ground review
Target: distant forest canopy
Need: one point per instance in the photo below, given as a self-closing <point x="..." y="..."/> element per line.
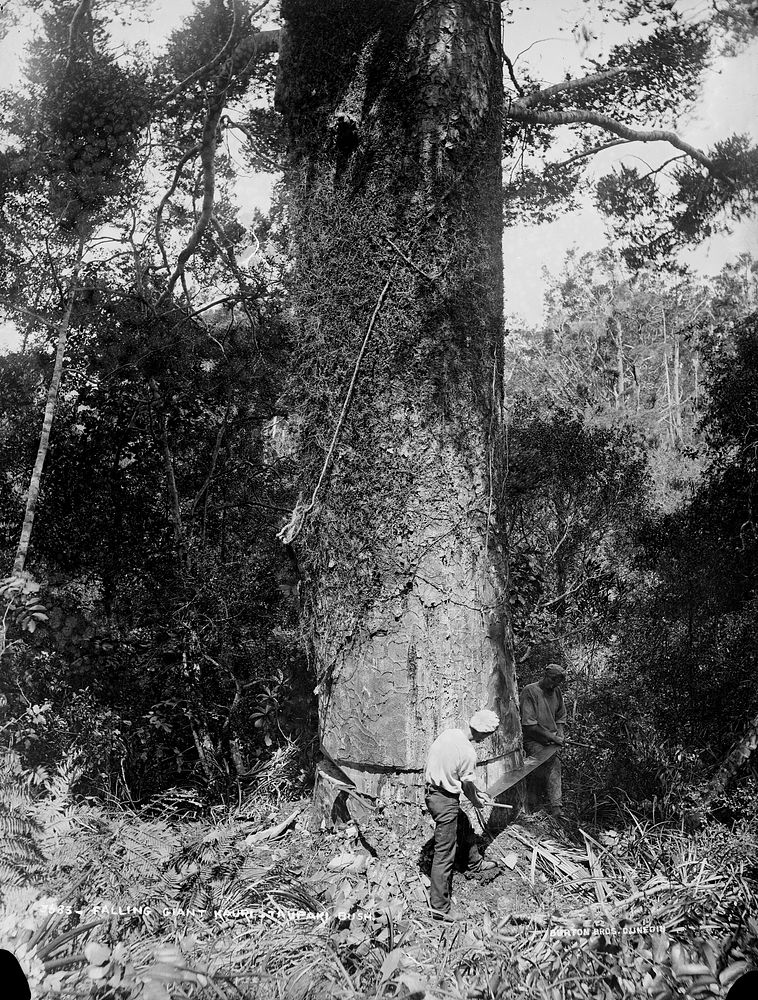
<point x="165" y="414"/>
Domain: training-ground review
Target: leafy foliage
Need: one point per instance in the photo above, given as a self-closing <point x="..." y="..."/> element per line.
<point x="634" y="94"/>
<point x="631" y="532"/>
<point x="80" y="119"/>
<point x="153" y="624"/>
<point x="171" y="652"/>
<point x="697" y="205"/>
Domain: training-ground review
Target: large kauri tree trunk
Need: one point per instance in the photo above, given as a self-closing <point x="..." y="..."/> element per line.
<point x="394" y="109"/>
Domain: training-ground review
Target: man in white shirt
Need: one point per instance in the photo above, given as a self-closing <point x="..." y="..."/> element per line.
<point x="450" y="770"/>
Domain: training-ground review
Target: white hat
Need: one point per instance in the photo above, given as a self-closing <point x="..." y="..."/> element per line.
<point x="484" y="721"/>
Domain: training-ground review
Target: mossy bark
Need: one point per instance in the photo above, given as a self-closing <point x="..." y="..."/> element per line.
<point x="394" y="109"/>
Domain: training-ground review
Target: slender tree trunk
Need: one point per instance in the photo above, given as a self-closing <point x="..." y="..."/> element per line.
<point x="676" y="391"/>
<point x="394" y="109"/>
<point x="669" y="418"/>
<point x="669" y="413"/>
<point x="180" y="547"/>
<point x="620" y="370"/>
<point x="637" y="389"/>
<point x="50" y="406"/>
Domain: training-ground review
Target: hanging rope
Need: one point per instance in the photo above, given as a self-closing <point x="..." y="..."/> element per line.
<point x="294" y="526"/>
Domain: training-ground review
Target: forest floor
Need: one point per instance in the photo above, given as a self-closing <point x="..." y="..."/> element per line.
<point x="258" y="902"/>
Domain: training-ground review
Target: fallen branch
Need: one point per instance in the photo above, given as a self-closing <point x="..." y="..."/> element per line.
<point x="273" y="831"/>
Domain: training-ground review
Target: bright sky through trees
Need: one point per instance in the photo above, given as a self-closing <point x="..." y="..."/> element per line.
<point x="543" y="37"/>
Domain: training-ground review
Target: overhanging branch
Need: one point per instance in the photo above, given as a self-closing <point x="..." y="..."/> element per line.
<point x="261" y="43"/>
<point x="519" y="113"/>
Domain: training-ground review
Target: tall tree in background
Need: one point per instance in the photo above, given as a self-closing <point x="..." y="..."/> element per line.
<point x="78" y="185"/>
<point x="78" y="127"/>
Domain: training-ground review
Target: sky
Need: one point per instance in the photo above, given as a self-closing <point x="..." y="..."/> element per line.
<point x="549" y="31"/>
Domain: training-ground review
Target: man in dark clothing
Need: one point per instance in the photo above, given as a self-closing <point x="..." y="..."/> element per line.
<point x="543" y="716"/>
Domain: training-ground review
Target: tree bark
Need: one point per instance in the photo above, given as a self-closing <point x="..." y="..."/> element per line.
<point x="394" y="109"/>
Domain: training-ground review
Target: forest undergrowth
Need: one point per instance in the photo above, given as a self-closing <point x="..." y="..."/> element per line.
<point x="257" y="901"/>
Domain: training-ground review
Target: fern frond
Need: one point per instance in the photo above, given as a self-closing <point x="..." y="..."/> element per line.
<point x="20" y="848"/>
<point x="15" y="825"/>
<point x="137" y="849"/>
<point x="14" y="799"/>
<point x="10" y="875"/>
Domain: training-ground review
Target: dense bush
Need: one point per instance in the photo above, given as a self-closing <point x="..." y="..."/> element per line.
<point x="680" y="689"/>
<point x="170" y="652"/>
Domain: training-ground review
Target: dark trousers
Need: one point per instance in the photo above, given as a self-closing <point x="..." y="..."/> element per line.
<point x="452" y="832"/>
<point x="545" y="781"/>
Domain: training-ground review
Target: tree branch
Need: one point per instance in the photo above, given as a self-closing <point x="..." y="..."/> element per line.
<point x="262" y="43"/>
<point x="569" y="86"/>
<point x="266" y="161"/>
<point x="591" y="152"/>
<point x="79" y="13"/>
<point x="569" y="592"/>
<point x="214" y="459"/>
<point x="512" y="75"/>
<point x="517" y="112"/>
<point x="259" y="43"/>
<point x="168" y="465"/>
<point x="28" y="313"/>
<point x="227" y="249"/>
<point x="159" y="214"/>
<point x="186" y="317"/>
<point x="208" y="162"/>
<point x="211" y="62"/>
